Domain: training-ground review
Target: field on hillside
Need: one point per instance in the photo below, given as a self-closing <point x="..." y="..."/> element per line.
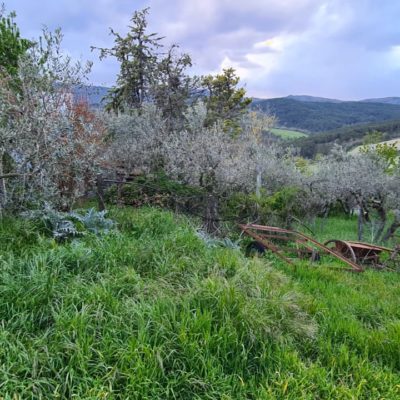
<point x="287" y="133"/>
<point x="148" y="311"/>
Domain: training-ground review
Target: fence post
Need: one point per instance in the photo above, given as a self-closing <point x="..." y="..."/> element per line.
<point x="100" y="192"/>
<point x="121" y="179"/>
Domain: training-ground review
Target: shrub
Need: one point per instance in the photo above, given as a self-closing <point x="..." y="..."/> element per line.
<point x="156" y="190"/>
<point x="62" y="225"/>
<point x="276" y="209"/>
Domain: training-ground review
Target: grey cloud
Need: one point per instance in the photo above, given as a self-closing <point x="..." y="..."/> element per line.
<point x="335" y="48"/>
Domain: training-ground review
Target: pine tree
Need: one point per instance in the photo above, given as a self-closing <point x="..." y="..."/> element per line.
<point x="12" y="46"/>
<point x="137" y="54"/>
<point x="174" y="90"/>
<point x="224" y="100"/>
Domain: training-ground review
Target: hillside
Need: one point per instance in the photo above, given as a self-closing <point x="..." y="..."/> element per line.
<point x="298" y="112"/>
<point x="313" y="99"/>
<point x="325" y="115"/>
<point x="384" y="100"/>
<point x="348" y="136"/>
<point x="92" y="94"/>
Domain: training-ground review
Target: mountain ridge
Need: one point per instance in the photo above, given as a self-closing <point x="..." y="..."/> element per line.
<point x="302" y="112"/>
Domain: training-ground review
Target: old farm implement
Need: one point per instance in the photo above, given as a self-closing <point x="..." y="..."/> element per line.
<point x="366" y="254"/>
<point x="286" y="243"/>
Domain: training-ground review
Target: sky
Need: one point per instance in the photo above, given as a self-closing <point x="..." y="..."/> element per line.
<point x="345" y="49"/>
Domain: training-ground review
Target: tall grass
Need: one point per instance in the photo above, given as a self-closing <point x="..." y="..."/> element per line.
<point x="359" y="327"/>
<point x="149" y="312"/>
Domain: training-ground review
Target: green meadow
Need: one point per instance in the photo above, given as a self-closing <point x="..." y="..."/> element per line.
<point x="287" y="133"/>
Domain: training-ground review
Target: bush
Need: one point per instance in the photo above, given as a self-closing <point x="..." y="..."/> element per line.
<point x="62" y="225"/>
<point x="276" y="209"/>
<point x="156" y="190"/>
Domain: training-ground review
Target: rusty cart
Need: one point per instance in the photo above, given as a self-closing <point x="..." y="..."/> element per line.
<point x="286" y="242"/>
<point x="365" y="254"/>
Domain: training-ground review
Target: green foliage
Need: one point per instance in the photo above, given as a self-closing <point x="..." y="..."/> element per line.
<point x="12" y="46"/>
<point x="211" y="241"/>
<point x="224" y="100"/>
<point x="276" y="209"/>
<point x="384" y="152"/>
<point x="154" y="189"/>
<point x="63" y="226"/>
<point x="372" y="138"/>
<point x="173" y="89"/>
<point x="93" y="221"/>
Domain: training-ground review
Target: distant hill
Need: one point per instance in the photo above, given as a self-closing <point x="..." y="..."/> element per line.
<point x="92" y="94"/>
<point x="319" y="116"/>
<point x="298" y="112"/>
<point x="313" y="99"/>
<point x="384" y="100"/>
<point x="347" y="136"/>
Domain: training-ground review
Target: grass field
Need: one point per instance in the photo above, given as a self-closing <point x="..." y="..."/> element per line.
<point x="287" y="133"/>
<point x="149" y="312"/>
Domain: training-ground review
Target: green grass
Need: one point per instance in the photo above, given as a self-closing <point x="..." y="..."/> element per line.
<point x="345" y="228"/>
<point x="149" y="312"/>
<point x="287" y="133"/>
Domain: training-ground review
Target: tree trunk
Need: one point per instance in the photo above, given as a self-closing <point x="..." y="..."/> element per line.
<point x="360" y="223"/>
<point x="382" y="218"/>
<point x="392" y="230"/>
<point x="258" y="184"/>
<point x="345" y="207"/>
<point x="211" y="216"/>
<point x="100" y="192"/>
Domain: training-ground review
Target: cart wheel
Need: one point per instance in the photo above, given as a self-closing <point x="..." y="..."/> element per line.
<point x="342" y="248"/>
<point x="254" y="249"/>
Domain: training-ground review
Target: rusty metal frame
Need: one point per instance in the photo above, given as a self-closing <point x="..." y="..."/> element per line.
<point x="358" y="250"/>
<point x="300" y="238"/>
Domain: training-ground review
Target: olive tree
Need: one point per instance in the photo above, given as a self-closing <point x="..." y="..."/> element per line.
<point x="209" y="158"/>
<point x="137" y="139"/>
<point x="358" y="181"/>
<point x="50" y="142"/>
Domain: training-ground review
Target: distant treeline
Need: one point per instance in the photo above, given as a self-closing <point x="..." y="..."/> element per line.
<point x="348" y="136"/>
<point x="317" y="117"/>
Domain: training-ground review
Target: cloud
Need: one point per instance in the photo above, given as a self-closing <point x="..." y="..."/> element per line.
<point x="333" y="48"/>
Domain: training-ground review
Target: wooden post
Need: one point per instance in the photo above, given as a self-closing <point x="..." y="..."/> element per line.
<point x="100" y="192"/>
<point x="121" y="178"/>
